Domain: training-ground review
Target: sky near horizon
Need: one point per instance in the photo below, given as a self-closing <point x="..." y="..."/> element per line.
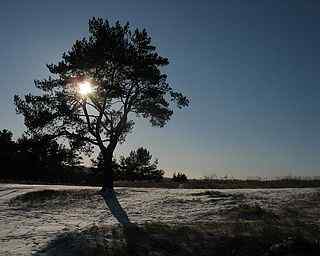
<point x="251" y="69"/>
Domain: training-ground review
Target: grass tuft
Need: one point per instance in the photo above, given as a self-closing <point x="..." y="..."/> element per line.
<point x="252" y="212"/>
<point x="211" y="193"/>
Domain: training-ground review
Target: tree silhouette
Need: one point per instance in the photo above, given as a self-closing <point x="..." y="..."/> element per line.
<point x="179" y="177"/>
<point x="6" y="137"/>
<point x="124" y="70"/>
<point x="101" y="167"/>
<point x="138" y="166"/>
<point x="34" y="158"/>
<point x="7" y="154"/>
<point x="43" y="157"/>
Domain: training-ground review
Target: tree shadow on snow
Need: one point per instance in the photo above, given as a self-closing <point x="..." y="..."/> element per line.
<point x="162" y="239"/>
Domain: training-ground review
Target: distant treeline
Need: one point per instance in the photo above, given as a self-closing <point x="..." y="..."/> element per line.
<point x="41" y="159"/>
<point x="33" y="158"/>
<point x="225" y="184"/>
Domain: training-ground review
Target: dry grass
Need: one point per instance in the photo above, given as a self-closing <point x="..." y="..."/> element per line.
<point x="247" y="230"/>
<point x="182" y="240"/>
<point x="53" y="198"/>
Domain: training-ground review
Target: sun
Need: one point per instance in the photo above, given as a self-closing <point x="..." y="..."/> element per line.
<point x="85" y="88"/>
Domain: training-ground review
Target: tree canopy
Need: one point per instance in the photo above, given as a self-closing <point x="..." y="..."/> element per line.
<point x="125" y="72"/>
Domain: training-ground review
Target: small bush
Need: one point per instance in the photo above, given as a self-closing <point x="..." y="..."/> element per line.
<point x="179" y="177"/>
<point x="255" y="212"/>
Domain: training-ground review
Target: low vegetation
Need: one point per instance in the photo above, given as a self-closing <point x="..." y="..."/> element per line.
<point x="163" y="239"/>
<point x="54" y="198"/>
<point x="211" y="193"/>
<point x="246" y="229"/>
<point x="252" y="212"/>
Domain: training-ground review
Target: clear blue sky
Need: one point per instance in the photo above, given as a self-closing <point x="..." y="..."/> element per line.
<point x="250" y="67"/>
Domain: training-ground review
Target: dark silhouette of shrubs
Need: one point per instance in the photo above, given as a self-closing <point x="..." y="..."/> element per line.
<point x="179" y="177"/>
<point x="8" y="149"/>
<point x="41" y="159"/>
<point x="37" y="158"/>
<point x="137" y="166"/>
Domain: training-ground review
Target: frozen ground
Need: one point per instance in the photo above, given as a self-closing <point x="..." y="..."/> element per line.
<point x="25" y="229"/>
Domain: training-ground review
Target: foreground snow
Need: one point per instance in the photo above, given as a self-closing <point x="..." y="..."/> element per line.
<point x="24" y="230"/>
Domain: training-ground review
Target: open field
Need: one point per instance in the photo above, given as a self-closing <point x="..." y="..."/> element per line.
<point x="31" y="216"/>
<point x="190" y="184"/>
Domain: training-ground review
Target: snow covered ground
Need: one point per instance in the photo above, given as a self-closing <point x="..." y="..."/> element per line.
<point x="24" y="230"/>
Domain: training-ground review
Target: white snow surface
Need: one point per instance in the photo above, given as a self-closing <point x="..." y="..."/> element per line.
<point x="24" y="231"/>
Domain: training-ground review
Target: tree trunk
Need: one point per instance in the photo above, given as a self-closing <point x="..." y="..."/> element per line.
<point x="108" y="193"/>
<point x="108" y="171"/>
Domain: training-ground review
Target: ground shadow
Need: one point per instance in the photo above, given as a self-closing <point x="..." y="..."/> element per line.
<point x="181" y="240"/>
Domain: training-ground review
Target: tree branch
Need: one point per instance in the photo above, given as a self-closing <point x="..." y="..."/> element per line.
<point x="76" y="136"/>
<point x="87" y="118"/>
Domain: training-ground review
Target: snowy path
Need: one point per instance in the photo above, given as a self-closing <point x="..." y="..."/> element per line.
<point x="24" y="230"/>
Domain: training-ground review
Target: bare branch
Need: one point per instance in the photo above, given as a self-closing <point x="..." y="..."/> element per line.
<point x="84" y="108"/>
<point x="76" y="136"/>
